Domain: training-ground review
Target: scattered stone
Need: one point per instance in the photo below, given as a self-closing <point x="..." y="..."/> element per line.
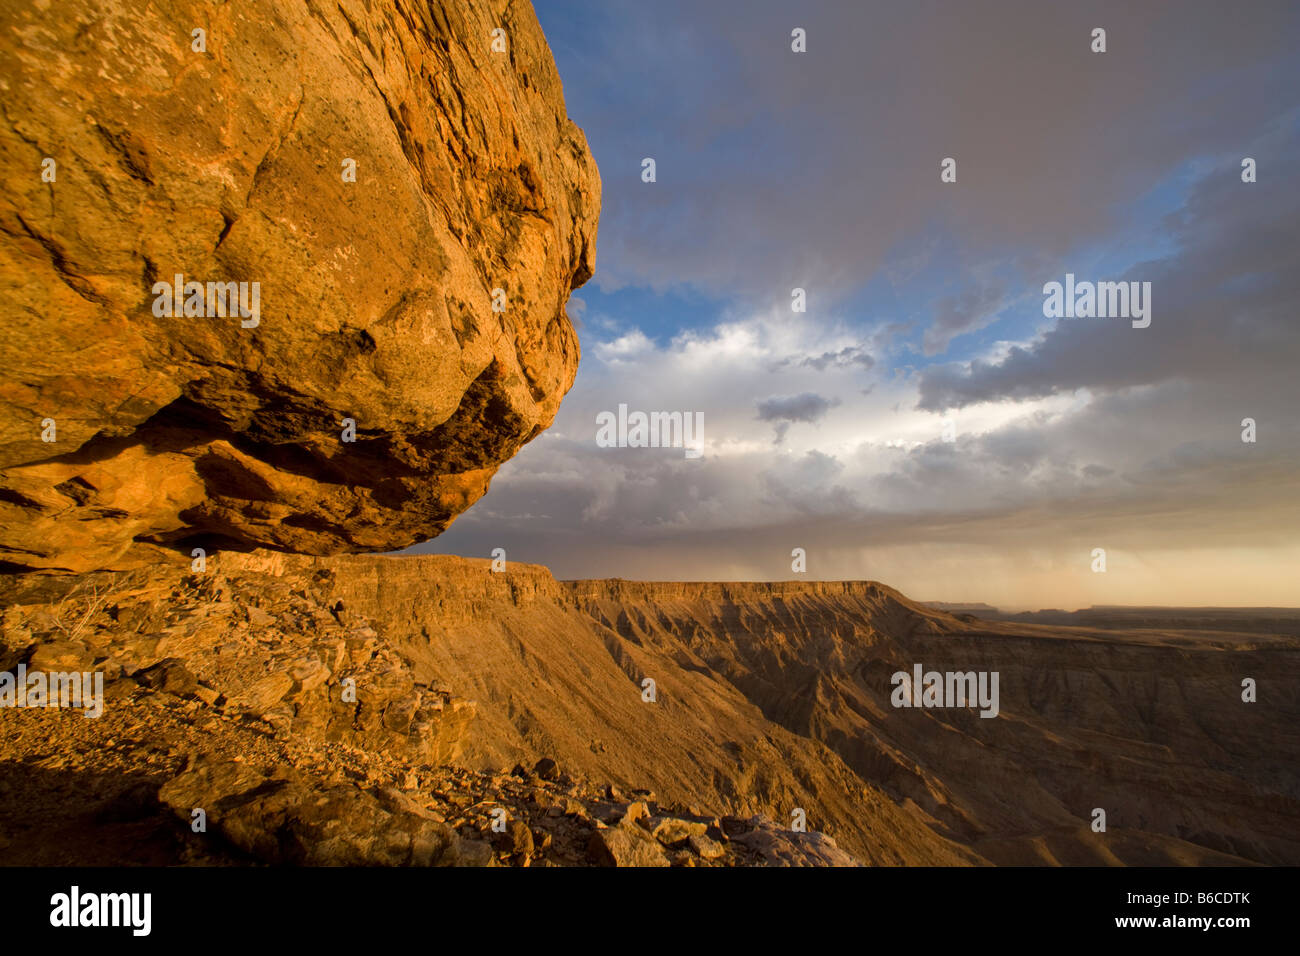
<point x="265" y="693"/>
<point x="169" y="676"/>
<point x="517" y="840"/>
<point x="672" y="830"/>
<point x="706" y="848"/>
<point x="778" y="846"/>
<point x="60" y="656"/>
<point x="612" y="814"/>
<point x="625" y="846"/>
<point x="308" y="674"/>
<point x="465" y="852"/>
<point x="259" y="618"/>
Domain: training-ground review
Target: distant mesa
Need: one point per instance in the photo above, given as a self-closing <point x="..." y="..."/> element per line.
<point x="957" y="607"/>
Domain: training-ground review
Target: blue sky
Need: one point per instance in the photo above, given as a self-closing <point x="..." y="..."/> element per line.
<point x="654" y="106"/>
<point x="820" y="170"/>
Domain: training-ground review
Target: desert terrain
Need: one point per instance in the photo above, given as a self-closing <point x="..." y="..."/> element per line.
<point x="478" y="689"/>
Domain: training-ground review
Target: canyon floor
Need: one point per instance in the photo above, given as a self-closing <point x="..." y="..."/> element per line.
<point x="428" y="710"/>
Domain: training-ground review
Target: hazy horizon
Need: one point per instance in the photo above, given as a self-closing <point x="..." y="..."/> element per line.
<point x="925" y="306"/>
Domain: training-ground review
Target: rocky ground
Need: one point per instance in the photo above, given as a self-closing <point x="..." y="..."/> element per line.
<point x="226" y="696"/>
<point x="379" y="710"/>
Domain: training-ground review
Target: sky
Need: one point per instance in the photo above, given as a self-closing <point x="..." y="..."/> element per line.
<point x="923" y="422"/>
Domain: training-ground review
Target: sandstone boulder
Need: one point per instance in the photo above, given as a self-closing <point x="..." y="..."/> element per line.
<point x="424" y="301"/>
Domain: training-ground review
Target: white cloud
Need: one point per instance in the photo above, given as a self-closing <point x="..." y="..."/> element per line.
<point x="628" y="346"/>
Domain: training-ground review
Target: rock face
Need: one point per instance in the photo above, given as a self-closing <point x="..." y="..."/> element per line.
<point x="225" y="157"/>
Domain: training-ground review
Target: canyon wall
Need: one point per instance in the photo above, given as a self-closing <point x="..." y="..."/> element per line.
<point x="772" y="696"/>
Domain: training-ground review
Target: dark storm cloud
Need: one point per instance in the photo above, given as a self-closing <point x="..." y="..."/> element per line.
<point x="778" y="169"/>
<point x="1223" y="306"/>
<point x="806" y="407"/>
<point x="785" y="410"/>
<point x="848" y="357"/>
<point x="845" y="357"/>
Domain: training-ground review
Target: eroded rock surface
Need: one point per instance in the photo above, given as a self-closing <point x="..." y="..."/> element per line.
<point x="375" y="297"/>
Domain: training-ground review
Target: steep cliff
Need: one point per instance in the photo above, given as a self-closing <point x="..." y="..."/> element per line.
<point x="398" y="189"/>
